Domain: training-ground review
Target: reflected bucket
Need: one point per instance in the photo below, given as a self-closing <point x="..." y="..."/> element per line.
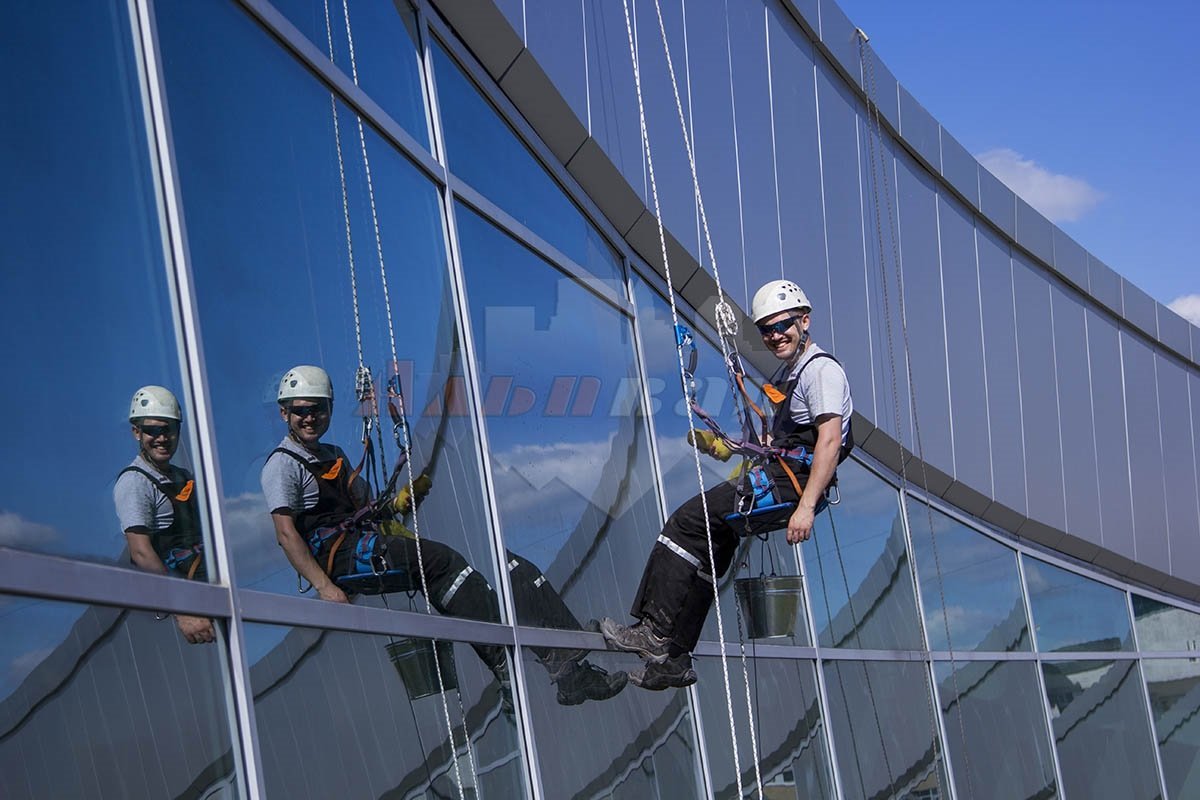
<point x="769" y="604"/>
<point x="414" y="660"/>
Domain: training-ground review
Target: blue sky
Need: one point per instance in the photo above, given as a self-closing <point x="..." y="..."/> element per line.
<point x="1089" y="106"/>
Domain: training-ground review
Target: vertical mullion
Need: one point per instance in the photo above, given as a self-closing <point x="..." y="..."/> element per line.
<point x="472" y="380"/>
<point x="1162" y="776"/>
<point x="1041" y="677"/>
<point x="184" y="308"/>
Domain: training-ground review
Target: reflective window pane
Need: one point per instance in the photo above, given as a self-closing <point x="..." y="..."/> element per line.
<point x="884" y="730"/>
<point x="969" y="584"/>
<point x="793" y="755"/>
<point x="1071" y="612"/>
<point x="569" y="451"/>
<point x="484" y="152"/>
<point x="386" y="52"/>
<point x="995" y="728"/>
<point x="1163" y="627"/>
<point x="276" y="272"/>
<point x="635" y="745"/>
<point x="859" y="580"/>
<point x="82" y="277"/>
<point x="97" y="701"/>
<point x="1174" y="686"/>
<point x="1100" y="729"/>
<point x="354" y="715"/>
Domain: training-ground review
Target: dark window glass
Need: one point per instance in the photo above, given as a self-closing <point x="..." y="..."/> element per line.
<point x="884" y="730"/>
<point x="1071" y="612"/>
<point x="97" y="701"/>
<point x="386" y="52"/>
<point x="1100" y="729"/>
<point x="82" y="275"/>
<point x="635" y="745"/>
<point x="859" y="580"/>
<point x="1174" y="686"/>
<point x="995" y="728"/>
<point x="1163" y="627"/>
<point x="484" y="152"/>
<point x="267" y="230"/>
<point x="353" y="715"/>
<point x="792" y="751"/>
<point x="568" y="447"/>
<point x="969" y="583"/>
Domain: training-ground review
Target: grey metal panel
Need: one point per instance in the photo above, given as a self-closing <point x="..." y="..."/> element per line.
<point x="798" y="161"/>
<point x="1080" y="476"/>
<point x="881" y="84"/>
<point x="1195" y="333"/>
<point x="607" y="187"/>
<point x="531" y="90"/>
<point x="920" y="130"/>
<point x="1179" y="466"/>
<point x="1173" y="330"/>
<point x="965" y="346"/>
<point x="838" y="34"/>
<point x="554" y="33"/>
<point x="611" y="91"/>
<point x="715" y="142"/>
<point x="495" y="31"/>
<point x="960" y="168"/>
<point x="514" y="12"/>
<point x="1187" y="566"/>
<point x="847" y="315"/>
<point x="1070" y="259"/>
<point x="1104" y="284"/>
<point x="1039" y="397"/>
<point x="1138" y="308"/>
<point x="1145" y="453"/>
<point x="1034" y="232"/>
<point x="672" y="172"/>
<point x="808" y="11"/>
<point x="917" y="198"/>
<point x="997" y="202"/>
<point x="1108" y="407"/>
<point x="1000" y="353"/>
<point x="755" y="159"/>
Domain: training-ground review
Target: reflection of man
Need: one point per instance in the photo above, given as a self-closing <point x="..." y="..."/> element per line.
<point x="811" y="410"/>
<point x="311" y="489"/>
<point x="156" y="501"/>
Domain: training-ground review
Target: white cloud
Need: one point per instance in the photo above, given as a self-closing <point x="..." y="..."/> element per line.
<point x="1062" y="198"/>
<point x="1188" y="307"/>
<point x="16" y="531"/>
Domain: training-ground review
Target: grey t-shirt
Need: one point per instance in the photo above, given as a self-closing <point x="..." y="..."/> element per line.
<point x="139" y="504"/>
<point x="287" y="485"/>
<point x="822" y="389"/>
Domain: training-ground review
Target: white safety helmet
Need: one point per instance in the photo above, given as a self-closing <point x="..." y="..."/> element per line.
<point x="310" y="383"/>
<point x="778" y="296"/>
<point x="154" y="402"/>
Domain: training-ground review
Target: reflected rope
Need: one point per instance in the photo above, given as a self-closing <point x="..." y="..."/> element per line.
<point x="637" y="78"/>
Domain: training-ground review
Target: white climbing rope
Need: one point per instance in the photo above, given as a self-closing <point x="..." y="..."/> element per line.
<point x="683" y="377"/>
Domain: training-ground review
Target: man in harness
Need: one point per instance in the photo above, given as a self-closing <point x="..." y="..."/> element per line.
<point x="314" y="495"/>
<point x="156" y="502"/>
<point x="811" y="408"/>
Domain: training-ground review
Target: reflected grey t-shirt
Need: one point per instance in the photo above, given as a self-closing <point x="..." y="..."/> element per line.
<point x="287" y="485"/>
<point x="139" y="504"/>
<point x="822" y="389"/>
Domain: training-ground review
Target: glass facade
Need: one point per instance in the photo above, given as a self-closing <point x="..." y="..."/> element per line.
<point x="271" y="183"/>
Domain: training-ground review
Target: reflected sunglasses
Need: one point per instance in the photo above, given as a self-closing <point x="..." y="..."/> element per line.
<point x="155" y="431"/>
<point x="780" y="327"/>
<point x="316" y="410"/>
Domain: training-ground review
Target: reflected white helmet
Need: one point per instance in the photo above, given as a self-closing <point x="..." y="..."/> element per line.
<point x="778" y="296"/>
<point x="154" y="402"/>
<point x="305" y="382"/>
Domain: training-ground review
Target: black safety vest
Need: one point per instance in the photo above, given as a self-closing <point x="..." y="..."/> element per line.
<point x="335" y="501"/>
<point x="179" y="542"/>
<point x="789" y="434"/>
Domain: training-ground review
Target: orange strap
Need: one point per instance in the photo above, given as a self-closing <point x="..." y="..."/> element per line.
<point x="750" y="402"/>
<point x="792" y="477"/>
<point x="773" y="394"/>
<point x="333" y="552"/>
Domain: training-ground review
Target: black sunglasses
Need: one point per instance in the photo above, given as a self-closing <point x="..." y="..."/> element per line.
<point x="780" y="327"/>
<point x="155" y="431"/>
<point x="316" y="410"/>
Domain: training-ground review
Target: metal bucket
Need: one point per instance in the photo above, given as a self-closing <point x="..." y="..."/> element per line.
<point x="769" y="604"/>
<point x="418" y="670"/>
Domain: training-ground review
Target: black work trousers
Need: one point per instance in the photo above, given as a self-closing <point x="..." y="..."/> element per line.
<point x="676" y="591"/>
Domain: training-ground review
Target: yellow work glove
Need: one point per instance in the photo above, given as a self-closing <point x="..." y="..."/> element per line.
<point x="420" y="487"/>
<point x="707" y="442"/>
<point x="391" y="527"/>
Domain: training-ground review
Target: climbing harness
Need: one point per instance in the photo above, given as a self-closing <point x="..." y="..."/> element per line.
<point x="878" y="157"/>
